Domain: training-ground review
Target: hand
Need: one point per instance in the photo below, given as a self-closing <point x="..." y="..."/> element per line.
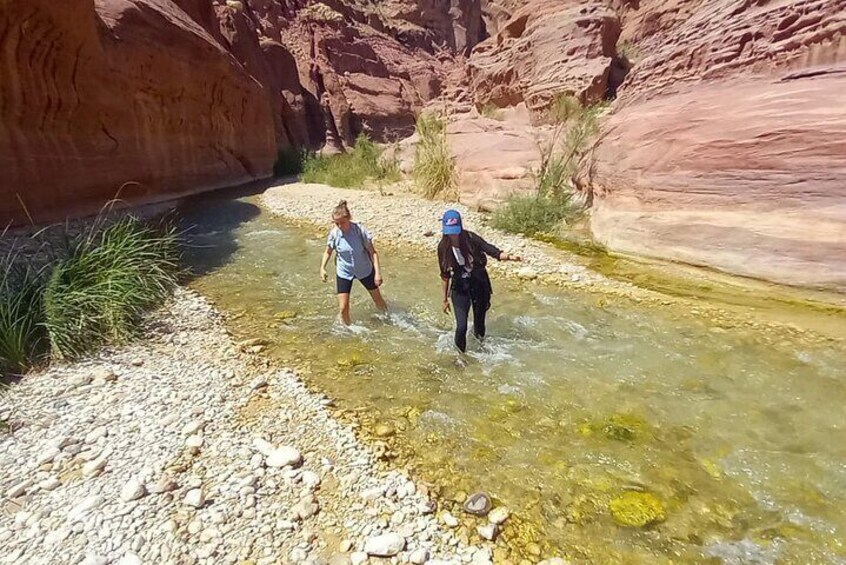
<point x="378" y="280"/>
<point x="513" y="257"/>
<point x="446" y="306"/>
<point x="323" y="274"/>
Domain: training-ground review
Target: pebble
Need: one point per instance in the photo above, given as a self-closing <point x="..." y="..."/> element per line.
<point x="419" y="556"/>
<point x="195" y="498"/>
<point x="19" y="488"/>
<point x="163" y="485"/>
<point x="88" y="503"/>
<point x="80" y="380"/>
<point x="450" y="520"/>
<point x="283" y="457"/>
<point x="95" y="467"/>
<point x="385" y="545"/>
<point x="358" y="557"/>
<point x="311" y="480"/>
<point x="132" y="490"/>
<point x="130" y="559"/>
<point x="554" y="561"/>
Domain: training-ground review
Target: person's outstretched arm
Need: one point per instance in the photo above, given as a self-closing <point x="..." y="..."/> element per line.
<point x="445" y="287"/>
<point x="495" y="251"/>
<point x="327" y="254"/>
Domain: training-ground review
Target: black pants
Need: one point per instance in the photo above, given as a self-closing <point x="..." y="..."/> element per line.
<point x="475" y="294"/>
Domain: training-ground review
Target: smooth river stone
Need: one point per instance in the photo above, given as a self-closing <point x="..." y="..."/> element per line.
<point x="478" y="504"/>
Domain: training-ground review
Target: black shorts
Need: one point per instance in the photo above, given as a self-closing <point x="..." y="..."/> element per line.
<point x="345" y="285"/>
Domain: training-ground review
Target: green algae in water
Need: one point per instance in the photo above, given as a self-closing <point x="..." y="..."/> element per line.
<point x="637" y="509"/>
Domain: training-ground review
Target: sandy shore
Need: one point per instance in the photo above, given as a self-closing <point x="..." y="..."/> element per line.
<point x="188" y="448"/>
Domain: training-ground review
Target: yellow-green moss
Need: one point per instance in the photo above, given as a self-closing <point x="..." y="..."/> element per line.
<point x="637" y="509"/>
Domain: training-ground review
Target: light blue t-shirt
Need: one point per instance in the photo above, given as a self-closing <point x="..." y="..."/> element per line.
<point x="351" y="248"/>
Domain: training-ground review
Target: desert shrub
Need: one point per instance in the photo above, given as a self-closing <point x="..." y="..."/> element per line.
<point x="363" y="162"/>
<point x="532" y="215"/>
<point x="108" y="278"/>
<point x="574" y="128"/>
<point x="434" y="165"/>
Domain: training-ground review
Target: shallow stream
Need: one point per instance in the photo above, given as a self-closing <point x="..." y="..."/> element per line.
<point x="736" y="435"/>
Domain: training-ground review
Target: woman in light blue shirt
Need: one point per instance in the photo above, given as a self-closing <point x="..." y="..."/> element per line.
<point x="356" y="259"/>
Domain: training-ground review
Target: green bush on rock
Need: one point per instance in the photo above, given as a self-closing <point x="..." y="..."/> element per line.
<point x="637" y="509"/>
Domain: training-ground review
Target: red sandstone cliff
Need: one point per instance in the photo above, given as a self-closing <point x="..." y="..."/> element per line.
<point x="726" y="145"/>
<point x="169" y="97"/>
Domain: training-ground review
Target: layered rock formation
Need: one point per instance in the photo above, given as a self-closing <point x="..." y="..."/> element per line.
<point x="726" y="145"/>
<point x="546" y="49"/>
<point x="151" y="99"/>
<point x="129" y="92"/>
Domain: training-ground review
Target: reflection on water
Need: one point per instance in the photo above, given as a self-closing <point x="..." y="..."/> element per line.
<point x="740" y="436"/>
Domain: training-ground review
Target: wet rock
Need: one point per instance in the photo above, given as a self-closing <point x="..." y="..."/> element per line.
<point x="478" y="504"/>
<point x="488" y="531"/>
<point x="285" y="315"/>
<point x="554" y="561"/>
<point x="385" y="545"/>
<point x="637" y="509"/>
<point x="384" y="429"/>
<point x="499" y="515"/>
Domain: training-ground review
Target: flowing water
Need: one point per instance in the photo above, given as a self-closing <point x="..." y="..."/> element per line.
<point x="737" y="436"/>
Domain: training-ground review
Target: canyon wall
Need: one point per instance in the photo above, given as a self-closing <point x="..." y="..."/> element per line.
<point x="726" y="145"/>
<point x="146" y="100"/>
<point x="141" y="95"/>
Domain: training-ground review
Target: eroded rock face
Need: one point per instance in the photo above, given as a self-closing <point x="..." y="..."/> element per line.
<point x="166" y="98"/>
<point x="726" y="145"/>
<point x="546" y="48"/>
<point x="121" y="92"/>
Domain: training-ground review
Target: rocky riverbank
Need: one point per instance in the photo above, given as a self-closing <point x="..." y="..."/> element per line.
<point x="400" y="218"/>
<point x="189" y="448"/>
<point x="406" y="219"/>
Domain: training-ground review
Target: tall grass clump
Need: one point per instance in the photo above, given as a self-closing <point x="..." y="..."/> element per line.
<point x="434" y="165"/>
<point x="22" y="336"/>
<point x="364" y="162"/>
<point x="97" y="293"/>
<point x="574" y="126"/>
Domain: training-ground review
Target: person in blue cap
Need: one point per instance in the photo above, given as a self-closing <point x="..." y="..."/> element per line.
<point x="356" y="259"/>
<point x="462" y="256"/>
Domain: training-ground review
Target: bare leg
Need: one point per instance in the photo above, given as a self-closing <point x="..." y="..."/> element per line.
<point x="378" y="300"/>
<point x="344" y="308"/>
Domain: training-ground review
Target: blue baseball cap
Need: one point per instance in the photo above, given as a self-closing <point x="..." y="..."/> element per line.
<point x="451" y="222"/>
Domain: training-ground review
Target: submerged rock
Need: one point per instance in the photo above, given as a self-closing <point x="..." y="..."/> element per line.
<point x="478" y="504"/>
<point x="637" y="509"/>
